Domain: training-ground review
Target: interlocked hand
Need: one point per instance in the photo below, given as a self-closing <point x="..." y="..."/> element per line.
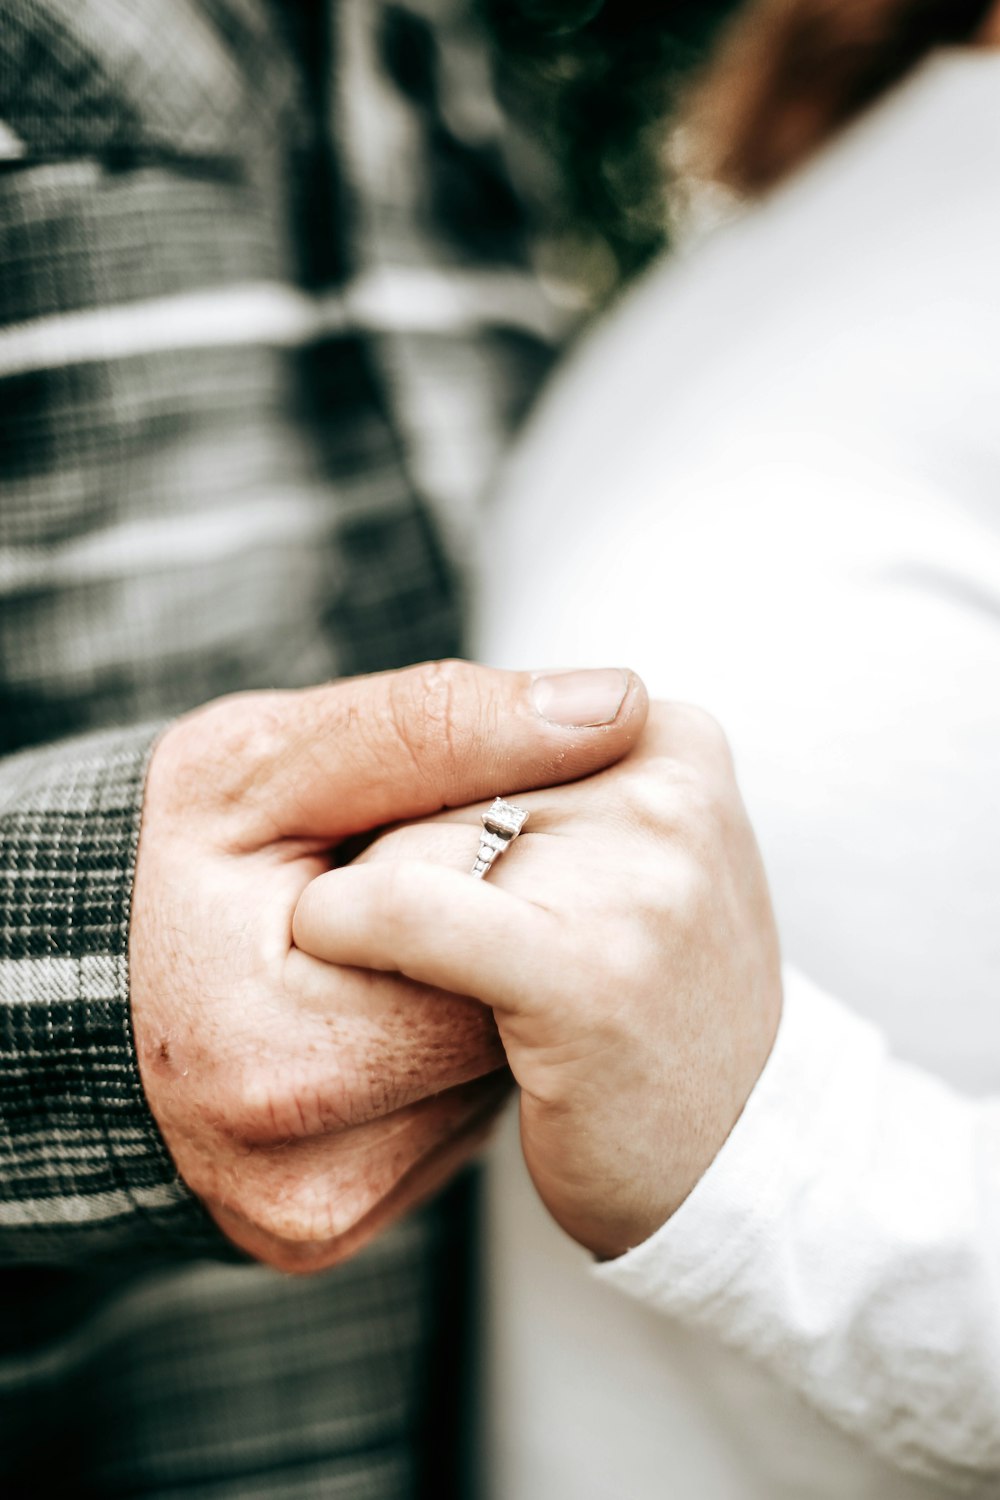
<point x="627" y="947"/>
<point x="308" y="1105"/>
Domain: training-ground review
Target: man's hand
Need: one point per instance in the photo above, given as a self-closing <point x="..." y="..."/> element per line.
<point x="306" y="1105"/>
<point x="627" y="946"/>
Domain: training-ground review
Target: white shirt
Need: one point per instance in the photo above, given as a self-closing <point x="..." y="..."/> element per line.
<point x="771" y="484"/>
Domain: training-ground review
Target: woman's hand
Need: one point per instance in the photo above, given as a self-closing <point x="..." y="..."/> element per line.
<point x="627" y="946"/>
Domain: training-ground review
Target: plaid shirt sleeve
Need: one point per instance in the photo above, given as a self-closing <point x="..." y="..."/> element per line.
<point x="83" y="1170"/>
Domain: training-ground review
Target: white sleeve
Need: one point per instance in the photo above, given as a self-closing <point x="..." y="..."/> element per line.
<point x="848" y="1238"/>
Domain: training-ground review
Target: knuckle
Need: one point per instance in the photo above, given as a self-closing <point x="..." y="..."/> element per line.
<point x="697" y="733"/>
<point x="701" y="724"/>
<point x="691" y="893"/>
<point x="214" y="758"/>
<point x="650" y="793"/>
<point x="713" y="812"/>
<point x="444" y="683"/>
<point x="691" y="799"/>
<point x="667" y="910"/>
<point x="430" y="708"/>
<point x="703" y="808"/>
<point x="175" y="780"/>
<point x="251" y="734"/>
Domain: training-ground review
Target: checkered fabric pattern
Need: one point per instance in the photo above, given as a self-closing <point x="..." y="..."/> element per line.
<point x="266" y="316"/>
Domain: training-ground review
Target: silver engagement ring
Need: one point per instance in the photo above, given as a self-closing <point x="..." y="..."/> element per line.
<point x="501" y="826"/>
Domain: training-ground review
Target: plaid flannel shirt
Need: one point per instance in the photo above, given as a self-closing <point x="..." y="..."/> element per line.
<point x="266" y="316"/>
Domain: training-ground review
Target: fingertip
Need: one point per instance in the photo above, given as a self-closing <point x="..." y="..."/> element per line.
<point x="589" y="698"/>
<point x="634" y="711"/>
<point x="588" y="720"/>
<point x="303" y="914"/>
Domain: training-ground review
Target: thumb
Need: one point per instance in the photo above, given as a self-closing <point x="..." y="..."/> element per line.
<point x="338" y="760"/>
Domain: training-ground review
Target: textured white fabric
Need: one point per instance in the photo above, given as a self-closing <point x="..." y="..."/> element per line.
<point x="848" y="1236"/>
<point x="772" y="485"/>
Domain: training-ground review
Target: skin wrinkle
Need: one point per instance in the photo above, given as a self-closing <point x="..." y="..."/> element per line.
<point x="439" y="708"/>
<point x="245" y="752"/>
<point x="396" y="719"/>
<point x="304" y="1233"/>
<point x="310" y="753"/>
<point x="263" y="754"/>
<point x="450" y="1033"/>
<point x="434" y="689"/>
<point x="371" y="1068"/>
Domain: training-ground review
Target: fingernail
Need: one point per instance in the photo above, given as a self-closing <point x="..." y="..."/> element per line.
<point x="582" y="700"/>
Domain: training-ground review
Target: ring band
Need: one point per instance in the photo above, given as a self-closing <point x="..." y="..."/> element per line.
<point x="501" y="826"/>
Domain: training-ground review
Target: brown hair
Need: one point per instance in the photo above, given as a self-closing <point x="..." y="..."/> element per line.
<point x="594" y="84"/>
<point x="788" y="74"/>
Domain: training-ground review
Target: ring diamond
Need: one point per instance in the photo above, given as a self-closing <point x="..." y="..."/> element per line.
<point x="501" y="826"/>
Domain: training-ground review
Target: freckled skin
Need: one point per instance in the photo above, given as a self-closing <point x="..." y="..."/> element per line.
<point x="268" y="1072"/>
